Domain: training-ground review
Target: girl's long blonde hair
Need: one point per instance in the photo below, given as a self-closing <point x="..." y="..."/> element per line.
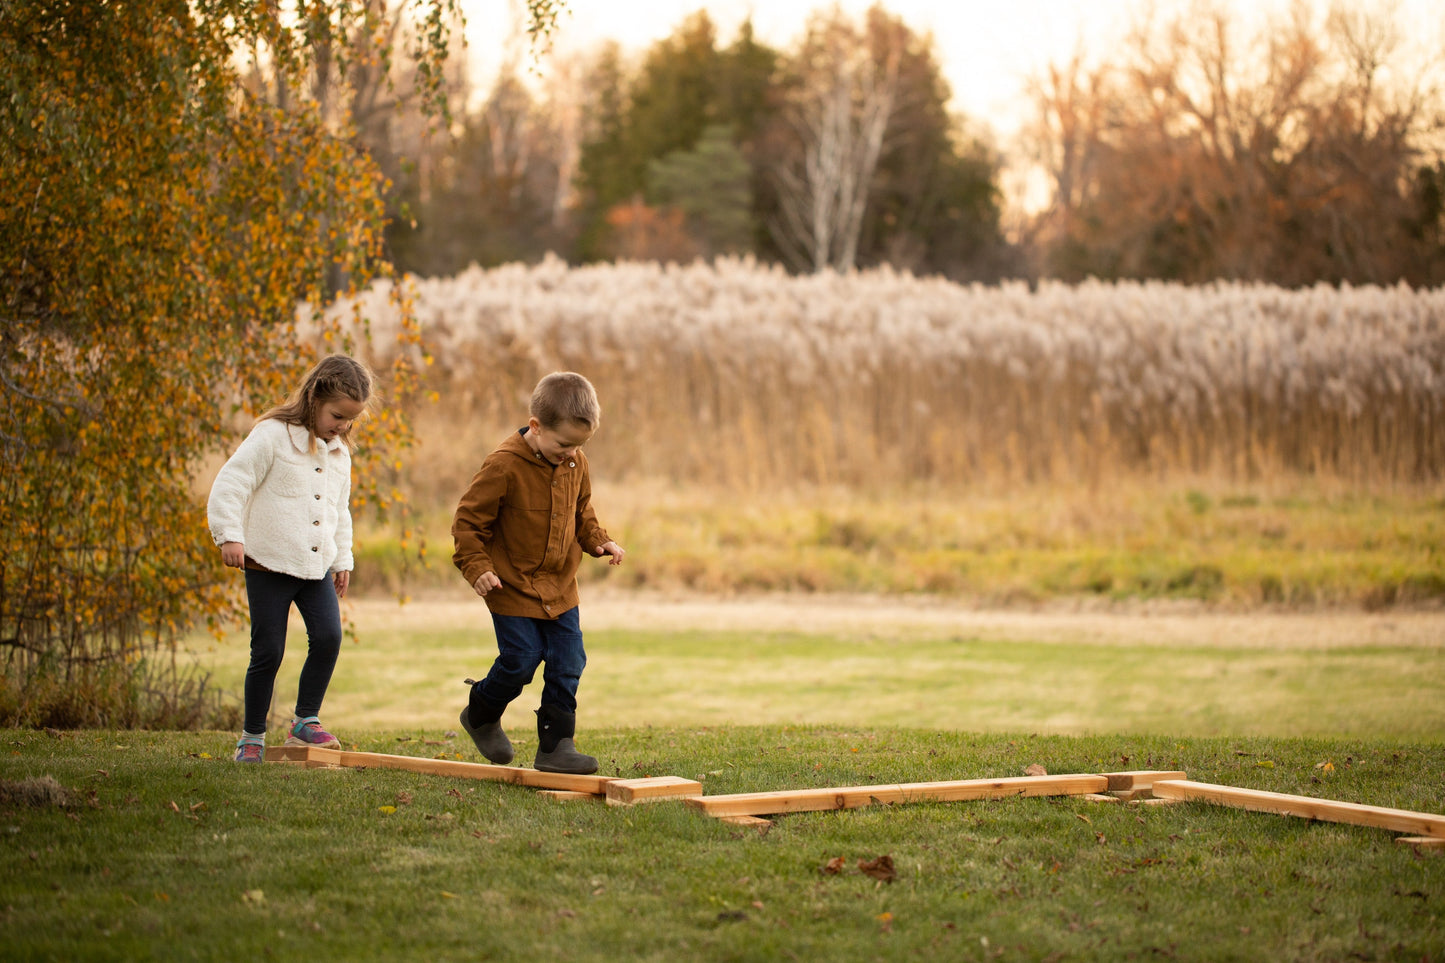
<point x="336" y="376"/>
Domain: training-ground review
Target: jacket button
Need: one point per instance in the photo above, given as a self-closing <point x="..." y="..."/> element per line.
<point x="318" y="471"/>
<point x="318" y="498"/>
<point x="313" y="548"/>
<point x="316" y="523"/>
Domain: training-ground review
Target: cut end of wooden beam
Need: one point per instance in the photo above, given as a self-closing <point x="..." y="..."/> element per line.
<point x="308" y="756"/>
<point x="746" y="820"/>
<point x="1423" y="842"/>
<point x="1100" y="797"/>
<point x="288" y="753"/>
<point x="628" y="792"/>
<point x="1132" y="795"/>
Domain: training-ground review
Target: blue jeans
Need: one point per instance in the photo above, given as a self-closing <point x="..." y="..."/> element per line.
<point x="524" y="643"/>
<point x="270" y="595"/>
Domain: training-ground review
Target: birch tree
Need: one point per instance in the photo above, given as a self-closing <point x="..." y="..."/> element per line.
<point x="841" y="98"/>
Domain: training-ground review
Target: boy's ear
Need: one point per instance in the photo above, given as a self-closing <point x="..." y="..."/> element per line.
<point x="533" y="424"/>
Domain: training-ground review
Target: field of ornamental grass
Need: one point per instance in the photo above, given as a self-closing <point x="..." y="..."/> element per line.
<point x="875" y="432"/>
<point x="740" y="376"/>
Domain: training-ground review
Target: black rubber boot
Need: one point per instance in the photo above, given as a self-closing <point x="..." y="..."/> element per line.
<point x="555" y="751"/>
<point x="482" y="720"/>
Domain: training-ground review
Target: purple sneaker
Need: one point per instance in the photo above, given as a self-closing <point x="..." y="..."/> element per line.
<point x="250" y="752"/>
<point x="308" y="732"/>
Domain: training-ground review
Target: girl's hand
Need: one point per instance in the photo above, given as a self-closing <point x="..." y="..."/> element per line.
<point x="612" y="549"/>
<point x="486" y="582"/>
<point x="341" y="580"/>
<point x="233" y="555"/>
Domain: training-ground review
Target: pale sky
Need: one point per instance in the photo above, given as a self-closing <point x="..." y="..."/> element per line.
<point x="987" y="48"/>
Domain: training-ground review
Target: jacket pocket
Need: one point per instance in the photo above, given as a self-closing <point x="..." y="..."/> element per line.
<point x="523" y="535"/>
<point x="290" y="479"/>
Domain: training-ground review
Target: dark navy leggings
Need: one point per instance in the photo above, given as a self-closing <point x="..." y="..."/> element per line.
<point x="271" y="595"/>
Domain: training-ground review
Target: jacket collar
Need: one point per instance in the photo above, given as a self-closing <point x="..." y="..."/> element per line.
<point x="301" y="439"/>
<point x="516" y="444"/>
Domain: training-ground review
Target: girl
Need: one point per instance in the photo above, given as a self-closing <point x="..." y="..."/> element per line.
<point x="279" y="510"/>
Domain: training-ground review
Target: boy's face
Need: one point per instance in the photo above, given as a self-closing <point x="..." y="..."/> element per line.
<point x="335" y="415"/>
<point x="558" y="444"/>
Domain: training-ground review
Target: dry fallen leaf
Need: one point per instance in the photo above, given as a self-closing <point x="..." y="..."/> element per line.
<point x="880" y="868"/>
<point x="255" y="897"/>
<point x="833" y="866"/>
<point x="1035" y="769"/>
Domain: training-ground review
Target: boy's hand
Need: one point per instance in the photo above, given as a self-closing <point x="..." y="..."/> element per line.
<point x="341" y="580"/>
<point x="233" y="555"/>
<point x="613" y="549"/>
<point x="486" y="582"/>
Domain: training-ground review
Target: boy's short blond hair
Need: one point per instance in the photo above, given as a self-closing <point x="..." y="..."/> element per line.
<point x="564" y="397"/>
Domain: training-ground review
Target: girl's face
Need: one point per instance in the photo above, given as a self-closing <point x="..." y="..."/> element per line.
<point x="335" y="415"/>
<point x="556" y="444"/>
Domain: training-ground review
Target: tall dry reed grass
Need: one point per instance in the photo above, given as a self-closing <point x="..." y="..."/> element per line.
<point x="740" y="375"/>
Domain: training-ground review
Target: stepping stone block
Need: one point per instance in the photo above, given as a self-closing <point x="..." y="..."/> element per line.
<point x="629" y="792"/>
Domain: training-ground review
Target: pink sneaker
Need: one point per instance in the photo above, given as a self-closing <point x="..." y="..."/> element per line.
<point x="308" y="732"/>
<point x="250" y="752"/>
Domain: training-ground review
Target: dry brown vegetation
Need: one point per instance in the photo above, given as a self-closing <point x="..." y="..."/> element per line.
<point x="740" y="377"/>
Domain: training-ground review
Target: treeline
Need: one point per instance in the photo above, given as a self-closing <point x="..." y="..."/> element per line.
<point x="838" y="153"/>
<point x="1306" y="151"/>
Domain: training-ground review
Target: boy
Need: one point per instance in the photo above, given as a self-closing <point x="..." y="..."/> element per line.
<point x="519" y="533"/>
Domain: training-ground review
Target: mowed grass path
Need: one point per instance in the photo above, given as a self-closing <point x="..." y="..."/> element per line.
<point x="861" y="661"/>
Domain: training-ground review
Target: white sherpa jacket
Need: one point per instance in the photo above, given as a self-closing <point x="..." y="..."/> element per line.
<point x="288" y="506"/>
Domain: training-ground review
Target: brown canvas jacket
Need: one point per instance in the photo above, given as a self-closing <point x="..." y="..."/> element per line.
<point x="530" y="523"/>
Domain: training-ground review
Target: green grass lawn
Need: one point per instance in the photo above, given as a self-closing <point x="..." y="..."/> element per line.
<point x="902" y="664"/>
<point x="166" y="850"/>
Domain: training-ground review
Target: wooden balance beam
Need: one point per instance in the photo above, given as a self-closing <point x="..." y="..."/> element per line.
<point x="1307" y="807"/>
<point x="516" y="775"/>
<point x="820" y="800"/>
